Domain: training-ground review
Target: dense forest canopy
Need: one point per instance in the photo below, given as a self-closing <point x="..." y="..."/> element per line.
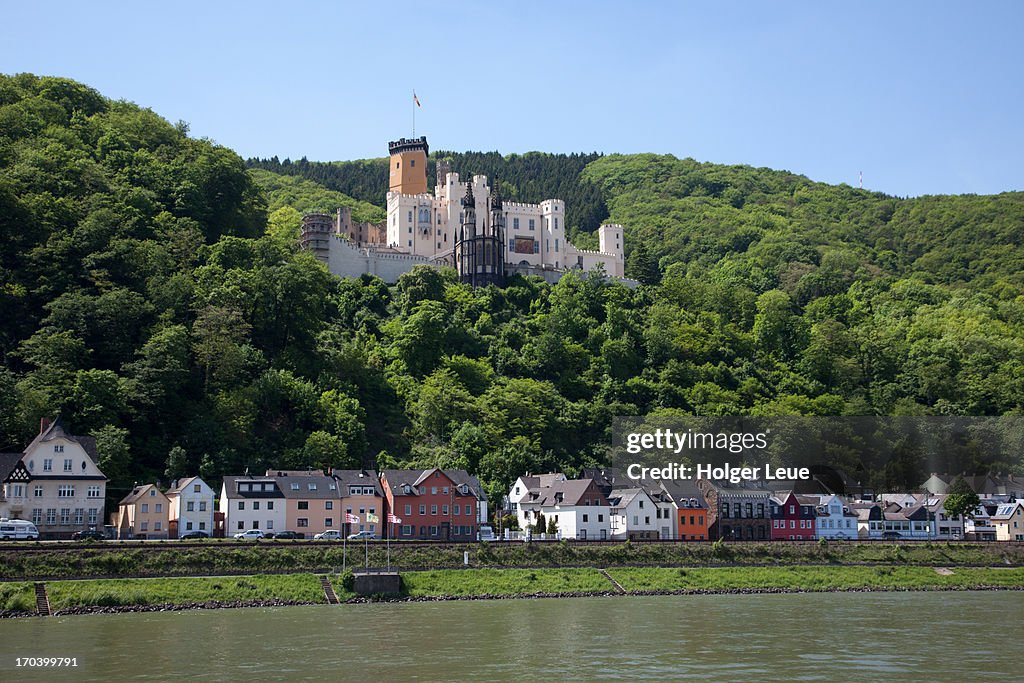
<point x="147" y="294"/>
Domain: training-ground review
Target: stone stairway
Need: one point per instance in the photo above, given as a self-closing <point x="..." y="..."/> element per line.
<point x="42" y="601"/>
<point x="332" y="597"/>
<point x="616" y="584"/>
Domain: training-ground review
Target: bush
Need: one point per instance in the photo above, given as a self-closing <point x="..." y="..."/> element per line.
<point x="348" y="581"/>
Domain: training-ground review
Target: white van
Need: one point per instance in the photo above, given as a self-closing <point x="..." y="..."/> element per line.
<point x="18" y="530"/>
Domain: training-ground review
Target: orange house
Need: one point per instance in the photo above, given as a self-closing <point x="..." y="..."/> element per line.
<point x="691" y="510"/>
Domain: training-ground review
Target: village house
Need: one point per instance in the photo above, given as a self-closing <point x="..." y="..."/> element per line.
<point x="252" y="502"/>
<point x="363" y="496"/>
<point x="835" y="519"/>
<point x="55" y="483"/>
<point x="1009" y="521"/>
<point x="191" y="503"/>
<point x="577" y="507"/>
<point x="632" y="515"/>
<point x="435" y="504"/>
<point x="143" y="513"/>
<point x="736" y="513"/>
<point x="312" y="502"/>
<point x="792" y="517"/>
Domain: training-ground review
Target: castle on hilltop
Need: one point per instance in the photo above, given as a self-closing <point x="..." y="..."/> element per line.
<point x="465" y="225"/>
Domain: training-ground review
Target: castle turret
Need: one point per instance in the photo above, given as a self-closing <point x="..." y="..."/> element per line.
<point x="408" y="174"/>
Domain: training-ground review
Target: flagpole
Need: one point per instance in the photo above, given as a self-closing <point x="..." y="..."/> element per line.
<point x="344" y="551"/>
<point x="414" y="114"/>
<point x="390" y="528"/>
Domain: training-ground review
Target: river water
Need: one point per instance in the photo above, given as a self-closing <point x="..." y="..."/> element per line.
<point x="954" y="636"/>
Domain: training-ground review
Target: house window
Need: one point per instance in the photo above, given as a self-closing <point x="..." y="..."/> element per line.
<point x="515" y="223"/>
<point x="190" y="506"/>
<point x="408" y="509"/>
<point x="423" y="509"/>
<point x="270" y="505"/>
<point x="188" y="526"/>
<point x="457" y="508"/>
<point x="444" y="510"/>
<point x="241" y="505"/>
<point x="295" y="486"/>
<point x="37" y="515"/>
<point x="255" y="505"/>
<point x="94" y="514"/>
<point x="145" y="507"/>
<point x="58" y="449"/>
<point x="197" y="488"/>
<point x="433" y="490"/>
<point x="302" y="522"/>
<point x="47" y="465"/>
<point x="586" y="518"/>
<point x="328" y="522"/>
<point x="600" y="518"/>
<point x="202" y="526"/>
<point x="152" y="493"/>
<point x="38" y="491"/>
<point x="270" y="524"/>
<point x="51" y="515"/>
<point x="533" y="224"/>
<point x="159" y="507"/>
<point x="145" y="526"/>
<point x="65" y="491"/>
<point x="79" y="515"/>
<point x="328" y="505"/>
<point x="303" y="504"/>
<point x="65" y="515"/>
<point x="202" y="506"/>
<point x="433" y="509"/>
<point x="158" y="526"/>
<point x="67" y="464"/>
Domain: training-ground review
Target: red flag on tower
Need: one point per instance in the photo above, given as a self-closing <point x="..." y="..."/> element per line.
<point x="416" y="99"/>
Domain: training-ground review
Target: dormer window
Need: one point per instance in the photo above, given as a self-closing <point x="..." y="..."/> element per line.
<point x="295" y="486"/>
<point x="407" y="489"/>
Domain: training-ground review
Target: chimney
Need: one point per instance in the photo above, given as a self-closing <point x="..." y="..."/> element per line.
<point x="44" y="424"/>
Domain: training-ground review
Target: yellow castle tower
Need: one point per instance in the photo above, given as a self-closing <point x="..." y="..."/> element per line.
<point x="408" y="165"/>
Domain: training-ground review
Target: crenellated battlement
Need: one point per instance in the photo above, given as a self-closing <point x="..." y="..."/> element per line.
<point x="409" y="144"/>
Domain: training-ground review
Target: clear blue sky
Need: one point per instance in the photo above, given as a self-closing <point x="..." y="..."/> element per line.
<point x="923" y="97"/>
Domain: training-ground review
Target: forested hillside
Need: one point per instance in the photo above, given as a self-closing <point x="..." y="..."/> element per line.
<point x="145" y="295"/>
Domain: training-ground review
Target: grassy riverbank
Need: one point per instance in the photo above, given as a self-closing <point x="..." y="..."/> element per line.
<point x="240" y="591"/>
<point x="42" y="562"/>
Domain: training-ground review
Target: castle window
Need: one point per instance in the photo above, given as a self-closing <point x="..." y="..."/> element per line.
<point x="410" y="243"/>
<point x="556" y="244"/>
<point x="511" y="244"/>
<point x="533" y="224"/>
<point x="412" y="163"/>
<point x="515" y="223"/>
<point x="410" y="216"/>
<point x="556" y="223"/>
<point x="438" y="245"/>
<point x="536" y="247"/>
<point x="398" y="164"/>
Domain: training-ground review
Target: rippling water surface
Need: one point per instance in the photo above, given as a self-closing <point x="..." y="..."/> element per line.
<point x="949" y="636"/>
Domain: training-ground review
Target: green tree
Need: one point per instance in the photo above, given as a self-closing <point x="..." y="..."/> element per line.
<point x="962" y="501"/>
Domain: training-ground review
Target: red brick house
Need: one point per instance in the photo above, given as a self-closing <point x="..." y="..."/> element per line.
<point x="434" y="504"/>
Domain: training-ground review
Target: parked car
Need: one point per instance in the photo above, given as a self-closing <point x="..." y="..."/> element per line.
<point x="251" y="534"/>
<point x="486" y="534"/>
<point x="191" y="535"/>
<point x="288" y="534"/>
<point x="360" y="535"/>
<point x="329" y="535"/>
<point x="89" y="535"/>
<point x="18" y="530"/>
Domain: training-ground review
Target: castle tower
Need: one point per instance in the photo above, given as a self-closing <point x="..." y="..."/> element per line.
<point x="480" y="254"/>
<point x="315" y="234"/>
<point x="408" y="170"/>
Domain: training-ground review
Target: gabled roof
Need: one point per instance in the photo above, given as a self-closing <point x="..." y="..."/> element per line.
<point x="398" y="478"/>
<point x="1004" y="512"/>
<point x="621" y="498"/>
<point x="682" y="492"/>
<point x="183" y="484"/>
<point x="140" y="492"/>
<point x="308" y="486"/>
<point x="567" y="492"/>
<point x="232" y="491"/>
<point x="348" y="478"/>
<point x="8" y="462"/>
<point x="56" y="430"/>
